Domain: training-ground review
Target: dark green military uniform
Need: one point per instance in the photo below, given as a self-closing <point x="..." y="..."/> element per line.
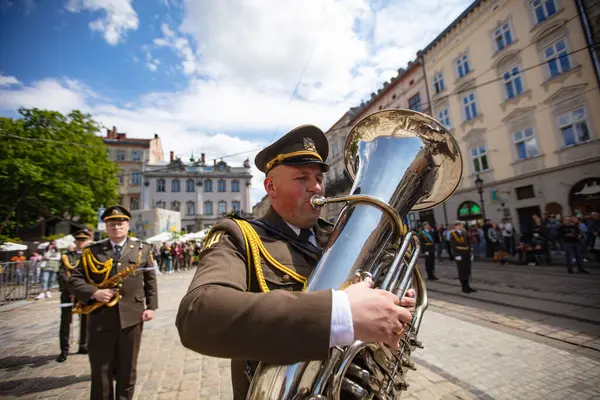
<point x="252" y="311"/>
<point x="115" y="333"/>
<point x="461" y="247"/>
<point x="70" y="260"/>
<point x="428" y="250"/>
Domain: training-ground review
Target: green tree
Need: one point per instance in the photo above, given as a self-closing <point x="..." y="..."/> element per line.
<point x="53" y="165"/>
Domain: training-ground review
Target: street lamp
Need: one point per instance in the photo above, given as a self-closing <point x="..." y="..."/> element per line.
<point x="479" y="186"/>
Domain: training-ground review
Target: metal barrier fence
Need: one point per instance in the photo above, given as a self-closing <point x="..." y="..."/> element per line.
<point x="22" y="280"/>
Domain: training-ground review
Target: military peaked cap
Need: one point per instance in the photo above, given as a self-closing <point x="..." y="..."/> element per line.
<point x="82" y="234"/>
<point x="116" y="213"/>
<point x="305" y="144"/>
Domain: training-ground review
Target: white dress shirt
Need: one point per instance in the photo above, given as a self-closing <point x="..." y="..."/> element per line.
<point x="342" y="327"/>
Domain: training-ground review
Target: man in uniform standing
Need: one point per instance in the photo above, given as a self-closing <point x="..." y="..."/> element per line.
<point x="115" y="332"/>
<point x="246" y="302"/>
<point x="461" y="248"/>
<point x="428" y="248"/>
<point x="69" y="261"/>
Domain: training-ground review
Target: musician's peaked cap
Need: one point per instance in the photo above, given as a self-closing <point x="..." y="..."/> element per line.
<point x="82" y="234"/>
<point x="113" y="213"/>
<point x="305" y="144"/>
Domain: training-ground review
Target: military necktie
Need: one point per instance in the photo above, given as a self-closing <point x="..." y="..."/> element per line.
<point x="117" y="252"/>
<point x="305" y="235"/>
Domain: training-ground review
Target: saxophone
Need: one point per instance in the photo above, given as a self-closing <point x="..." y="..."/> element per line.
<point x="399" y="160"/>
<point x="115" y="282"/>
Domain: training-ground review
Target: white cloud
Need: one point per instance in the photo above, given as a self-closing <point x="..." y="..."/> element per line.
<point x="48" y="93"/>
<point x="119" y="17"/>
<point x="8" y="80"/>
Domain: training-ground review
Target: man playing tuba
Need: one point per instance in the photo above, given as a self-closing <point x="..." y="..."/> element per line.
<point x="246" y="301"/>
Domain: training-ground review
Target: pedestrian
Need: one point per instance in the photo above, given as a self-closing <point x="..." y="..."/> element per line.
<point x="69" y="261"/>
<point x="255" y="312"/>
<point x="115" y="333"/>
<point x="461" y="247"/>
<point x="49" y="267"/>
<point x="428" y="249"/>
<point x="570" y="235"/>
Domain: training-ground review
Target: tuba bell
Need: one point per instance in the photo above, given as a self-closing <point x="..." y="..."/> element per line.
<point x="399" y="160"/>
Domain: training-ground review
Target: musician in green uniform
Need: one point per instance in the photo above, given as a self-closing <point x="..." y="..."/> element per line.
<point x="246" y="301"/>
<point x="115" y="329"/>
<point x="69" y="261"/>
<point x="461" y="248"/>
<point x="428" y="249"/>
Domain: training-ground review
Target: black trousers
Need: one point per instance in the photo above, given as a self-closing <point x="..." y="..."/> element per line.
<point x="66" y="317"/>
<point x="429" y="254"/>
<point x="464" y="268"/>
<point x="113" y="357"/>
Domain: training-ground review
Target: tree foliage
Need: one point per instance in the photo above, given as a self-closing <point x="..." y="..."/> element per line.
<point x="53" y="165"/>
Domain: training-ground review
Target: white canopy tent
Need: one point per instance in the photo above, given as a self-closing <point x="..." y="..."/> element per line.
<point x="200" y="235"/>
<point x="61" y="243"/>
<point x="162" y="237"/>
<point x="10" y="246"/>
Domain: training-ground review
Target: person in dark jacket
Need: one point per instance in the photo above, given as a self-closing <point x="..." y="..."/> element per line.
<point x="461" y="248"/>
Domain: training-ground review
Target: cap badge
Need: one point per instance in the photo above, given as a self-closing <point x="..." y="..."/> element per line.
<point x="309" y="144"/>
<point x="115" y="212"/>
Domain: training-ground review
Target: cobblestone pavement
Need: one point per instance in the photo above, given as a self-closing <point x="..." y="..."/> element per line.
<point x="560" y="306"/>
<point x="166" y="370"/>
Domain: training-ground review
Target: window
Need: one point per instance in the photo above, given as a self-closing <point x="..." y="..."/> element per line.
<point x="222" y="207"/>
<point x="160" y="185"/>
<point x="444" y="118"/>
<point x="121" y="177"/>
<point x="121" y="155"/>
<point x="543" y="9"/>
<point x="235" y="186"/>
<point x="438" y="83"/>
<point x="462" y="66"/>
<point x="470" y="106"/>
<point x="573" y="127"/>
<point x="525" y="192"/>
<point x="136" y="155"/>
<point x="414" y="103"/>
<point x="208" y="208"/>
<point x="557" y="56"/>
<point x="191" y="208"/>
<point x="503" y="37"/>
<point x="208" y="185"/>
<point x="236" y="206"/>
<point x="135" y="203"/>
<point x="135" y="178"/>
<point x="161" y="204"/>
<point x="191" y="228"/>
<point x="479" y="158"/>
<point x="175" y="185"/>
<point x="513" y="83"/>
<point x="190" y="186"/>
<point x="175" y="206"/>
<point x="526" y="144"/>
<point x="221" y="185"/>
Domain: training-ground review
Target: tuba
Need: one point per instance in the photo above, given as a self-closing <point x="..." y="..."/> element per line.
<point x="399" y="160"/>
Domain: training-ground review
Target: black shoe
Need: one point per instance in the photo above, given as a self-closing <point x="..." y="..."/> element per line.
<point x="471" y="290"/>
<point x="584" y="271"/>
<point x="433" y="278"/>
<point x="82" y="350"/>
<point x="62" y="357"/>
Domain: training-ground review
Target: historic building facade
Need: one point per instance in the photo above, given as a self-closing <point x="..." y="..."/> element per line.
<point x="202" y="193"/>
<point x="132" y="154"/>
<point x="514" y="82"/>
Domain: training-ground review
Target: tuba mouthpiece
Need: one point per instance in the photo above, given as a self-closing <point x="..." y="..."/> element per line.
<point x="317" y="201"/>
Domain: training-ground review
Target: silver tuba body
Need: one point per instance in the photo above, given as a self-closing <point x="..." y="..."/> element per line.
<point x="399" y="160"/>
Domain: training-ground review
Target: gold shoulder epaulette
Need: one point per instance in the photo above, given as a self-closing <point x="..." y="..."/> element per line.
<point x="65" y="260"/>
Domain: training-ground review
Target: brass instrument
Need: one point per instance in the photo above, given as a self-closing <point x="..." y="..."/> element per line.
<point x="399" y="160"/>
<point x="114" y="282"/>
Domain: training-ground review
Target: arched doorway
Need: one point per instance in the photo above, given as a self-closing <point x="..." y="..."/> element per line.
<point x="554" y="208"/>
<point x="584" y="196"/>
<point x="470" y="212"/>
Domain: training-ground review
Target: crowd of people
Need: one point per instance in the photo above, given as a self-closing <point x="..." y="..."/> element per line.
<point x="576" y="240"/>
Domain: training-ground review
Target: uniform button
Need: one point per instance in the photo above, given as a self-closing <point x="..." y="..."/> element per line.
<point x="118" y="264"/>
<point x="285" y="278"/>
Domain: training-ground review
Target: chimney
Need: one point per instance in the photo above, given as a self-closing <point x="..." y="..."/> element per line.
<point x="203" y="160"/>
<point x="215" y="162"/>
<point x="114" y="133"/>
<point x="171" y="157"/>
<point x="156" y="136"/>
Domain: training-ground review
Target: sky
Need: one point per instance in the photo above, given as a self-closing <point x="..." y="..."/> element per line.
<point x="220" y="77"/>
